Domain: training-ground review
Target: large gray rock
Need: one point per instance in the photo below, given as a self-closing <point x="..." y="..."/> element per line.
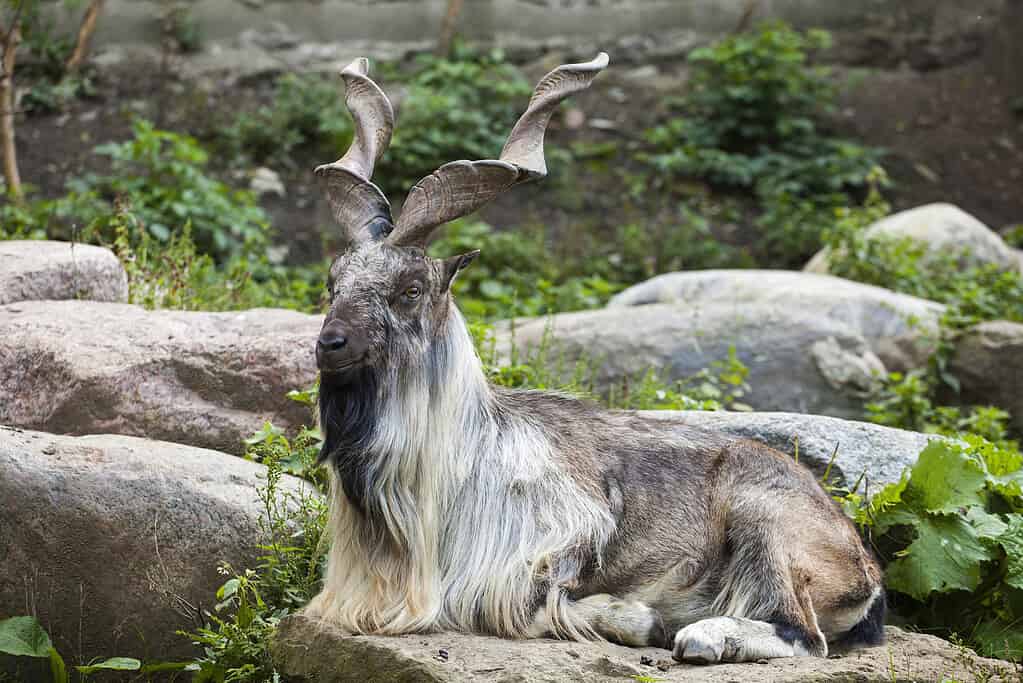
<point x="943" y="228"/>
<point x="988" y="361"/>
<point x="880" y="454"/>
<point x="312" y="652"/>
<point x="899" y="328"/>
<point x="114" y="541"/>
<point x="205" y="379"/>
<point x="38" y="269"/>
<point x="799" y="360"/>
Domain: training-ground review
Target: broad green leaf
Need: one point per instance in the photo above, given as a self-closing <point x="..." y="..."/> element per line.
<point x="886" y="502"/>
<point x="24" y="637"/>
<point x="113" y="664"/>
<point x="1011" y="541"/>
<point x="228" y="589"/>
<point x="944" y="479"/>
<point x="988" y="527"/>
<point x="946" y="556"/>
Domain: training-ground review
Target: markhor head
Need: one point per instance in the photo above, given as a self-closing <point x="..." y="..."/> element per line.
<point x="388" y="299"/>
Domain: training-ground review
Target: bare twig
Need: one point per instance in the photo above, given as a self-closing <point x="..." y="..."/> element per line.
<point x="747" y="17"/>
<point x="447" y="28"/>
<point x="85" y="31"/>
<point x="15" y="23"/>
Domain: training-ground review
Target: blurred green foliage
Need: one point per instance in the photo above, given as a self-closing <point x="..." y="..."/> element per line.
<point x="752" y="121"/>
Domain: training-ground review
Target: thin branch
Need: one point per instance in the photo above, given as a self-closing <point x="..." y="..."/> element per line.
<point x="85" y="31"/>
<point x="447" y="27"/>
<point x="747" y="17"/>
<point x="15" y="23"/>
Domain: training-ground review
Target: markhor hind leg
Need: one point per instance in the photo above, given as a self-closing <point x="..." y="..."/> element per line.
<point x="619" y="621"/>
<point x="765" y="610"/>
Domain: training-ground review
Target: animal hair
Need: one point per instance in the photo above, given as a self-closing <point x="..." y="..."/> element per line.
<point x="441" y="511"/>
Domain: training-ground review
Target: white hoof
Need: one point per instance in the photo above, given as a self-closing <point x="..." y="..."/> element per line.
<point x="729" y="639"/>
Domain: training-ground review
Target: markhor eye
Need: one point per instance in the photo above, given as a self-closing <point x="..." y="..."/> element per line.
<point x="413" y="292"/>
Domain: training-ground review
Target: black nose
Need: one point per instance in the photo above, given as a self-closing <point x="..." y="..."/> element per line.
<point x="331" y="340"/>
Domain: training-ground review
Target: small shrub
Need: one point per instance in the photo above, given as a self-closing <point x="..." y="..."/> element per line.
<point x="457" y="107"/>
<point x="235" y="640"/>
<point x="641" y="251"/>
<point x="952" y="533"/>
<point x="542" y="367"/>
<point x="162" y="177"/>
<point x="174" y="275"/>
<point x="305" y="111"/>
<point x="47" y="97"/>
<point x="751" y="121"/>
<point x="516" y="276"/>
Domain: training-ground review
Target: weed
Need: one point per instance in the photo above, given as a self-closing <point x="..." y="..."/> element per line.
<point x="235" y="640"/>
<point x="175" y="275"/>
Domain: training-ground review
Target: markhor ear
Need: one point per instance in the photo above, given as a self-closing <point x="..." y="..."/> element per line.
<point x="456" y="263"/>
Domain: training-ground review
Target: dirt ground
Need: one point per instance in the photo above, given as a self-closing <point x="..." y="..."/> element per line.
<point x="952" y="134"/>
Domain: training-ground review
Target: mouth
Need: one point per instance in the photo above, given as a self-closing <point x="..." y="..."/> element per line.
<point x="342" y="368"/>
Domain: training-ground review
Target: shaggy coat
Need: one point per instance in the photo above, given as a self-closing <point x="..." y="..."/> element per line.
<point x="459" y="505"/>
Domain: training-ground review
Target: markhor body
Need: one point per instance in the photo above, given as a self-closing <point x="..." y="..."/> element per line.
<point x="460" y="505"/>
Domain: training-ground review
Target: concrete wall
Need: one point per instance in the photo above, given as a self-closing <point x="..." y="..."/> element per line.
<point x="510" y="22"/>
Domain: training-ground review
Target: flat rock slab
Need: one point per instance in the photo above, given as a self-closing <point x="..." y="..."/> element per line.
<point x="114" y="541"/>
<point x="880" y="454"/>
<point x="40" y="269"/>
<point x="308" y="651"/>
<point x="800" y="360"/>
<point x="204" y="379"/>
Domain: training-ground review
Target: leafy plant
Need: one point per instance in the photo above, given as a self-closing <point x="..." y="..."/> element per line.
<point x="25" y="637"/>
<point x="161" y="176"/>
<point x="46" y="97"/>
<point x="457" y="107"/>
<point x="952" y="530"/>
<point x="751" y="121"/>
<point x="235" y="640"/>
<point x="542" y="367"/>
<point x="175" y="275"/>
<point x="305" y="111"/>
<point x="182" y="28"/>
<point x="517" y="277"/>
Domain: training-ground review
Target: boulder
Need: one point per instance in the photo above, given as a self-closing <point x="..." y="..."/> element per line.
<point x="38" y="269"/>
<point x="114" y="541"/>
<point x="309" y="651"/>
<point x="850" y="448"/>
<point x="988" y="361"/>
<point x="899" y="328"/>
<point x="799" y="359"/>
<point x="942" y="227"/>
<point x="204" y="379"/>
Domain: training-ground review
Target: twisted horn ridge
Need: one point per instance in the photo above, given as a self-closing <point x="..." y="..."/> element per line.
<point x="359" y="206"/>
<point x="460" y="187"/>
